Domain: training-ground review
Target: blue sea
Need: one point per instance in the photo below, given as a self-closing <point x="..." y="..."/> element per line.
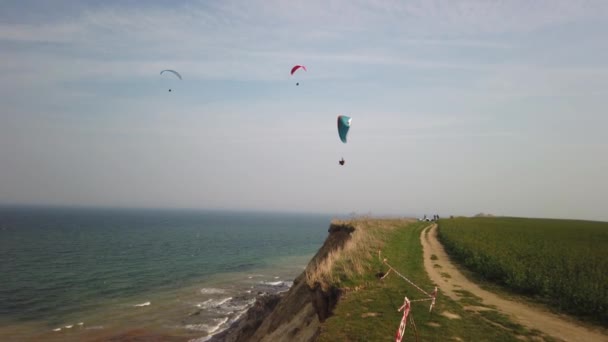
<point x="177" y="275"/>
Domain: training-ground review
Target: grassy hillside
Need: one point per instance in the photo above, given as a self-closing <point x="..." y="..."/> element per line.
<point x="564" y="262"/>
<point x="367" y="310"/>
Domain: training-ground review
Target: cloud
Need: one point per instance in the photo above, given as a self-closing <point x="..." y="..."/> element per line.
<point x="422" y="79"/>
<point x="537" y="81"/>
<point x="489" y="17"/>
<point x="249" y="41"/>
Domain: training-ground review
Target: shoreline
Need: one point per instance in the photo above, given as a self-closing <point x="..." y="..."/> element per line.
<point x="266" y="293"/>
<point x="297" y="314"/>
<point x="248" y="321"/>
<point x="182" y="314"/>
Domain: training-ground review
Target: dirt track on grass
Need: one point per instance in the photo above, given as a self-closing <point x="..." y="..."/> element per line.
<point x="449" y="279"/>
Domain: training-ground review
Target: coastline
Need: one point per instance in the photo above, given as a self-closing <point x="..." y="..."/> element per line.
<point x="295" y="315"/>
<point x="247" y="322"/>
<point x="185" y="314"/>
<point x="124" y="271"/>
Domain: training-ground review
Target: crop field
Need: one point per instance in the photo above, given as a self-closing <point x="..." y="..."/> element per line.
<point x="562" y="262"/>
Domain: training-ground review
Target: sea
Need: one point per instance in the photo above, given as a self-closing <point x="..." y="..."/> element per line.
<point x="83" y="274"/>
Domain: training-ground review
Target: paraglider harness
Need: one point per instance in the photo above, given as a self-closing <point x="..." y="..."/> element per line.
<point x="341" y="161"/>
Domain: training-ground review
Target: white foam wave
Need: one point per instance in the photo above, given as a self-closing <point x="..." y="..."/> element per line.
<point x="223" y="301"/>
<point x="242" y="310"/>
<point x="57" y="329"/>
<point x="215" y="329"/>
<point x="68" y="326"/>
<point x="212" y="303"/>
<point x="288" y="285"/>
<point x="274" y="283"/>
<point x="238" y="307"/>
<point x="208" y="328"/>
<point x="212" y="290"/>
<point x="80" y="323"/>
<point x="142" y="304"/>
<point x="239" y="315"/>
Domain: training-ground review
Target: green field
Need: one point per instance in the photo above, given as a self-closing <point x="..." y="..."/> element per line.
<point x="367" y="310"/>
<point x="561" y="262"/>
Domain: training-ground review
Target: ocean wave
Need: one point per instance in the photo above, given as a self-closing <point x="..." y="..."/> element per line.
<point x="274" y="283"/>
<point x="239" y="306"/>
<point x="243" y="310"/>
<point x="212" y="290"/>
<point x="57" y="329"/>
<point x="238" y="311"/>
<point x="274" y="286"/>
<point x="288" y="285"/>
<point x="213" y="303"/>
<point x="208" y="328"/>
<point x="142" y="304"/>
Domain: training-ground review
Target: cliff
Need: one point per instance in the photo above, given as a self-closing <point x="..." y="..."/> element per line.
<point x="297" y="314"/>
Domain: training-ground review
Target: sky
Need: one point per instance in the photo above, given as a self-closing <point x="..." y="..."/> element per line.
<point x="458" y="107"/>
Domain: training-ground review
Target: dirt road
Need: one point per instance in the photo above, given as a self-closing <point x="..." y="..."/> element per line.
<point x="449" y="279"/>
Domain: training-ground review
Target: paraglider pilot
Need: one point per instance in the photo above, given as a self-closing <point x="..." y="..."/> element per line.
<point x="341" y="161"/>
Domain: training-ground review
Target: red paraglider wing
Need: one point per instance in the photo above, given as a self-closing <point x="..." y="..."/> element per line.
<point x="296" y="67"/>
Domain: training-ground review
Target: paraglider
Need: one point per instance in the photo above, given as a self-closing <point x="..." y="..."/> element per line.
<point x="343" y="127"/>
<point x="295" y="68"/>
<point x="172" y="72"/>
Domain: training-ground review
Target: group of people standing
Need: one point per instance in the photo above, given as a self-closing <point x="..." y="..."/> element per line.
<point x="425" y="218"/>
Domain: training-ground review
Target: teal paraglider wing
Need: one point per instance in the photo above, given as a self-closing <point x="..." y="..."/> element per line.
<point x="173" y="72"/>
<point x="343" y="126"/>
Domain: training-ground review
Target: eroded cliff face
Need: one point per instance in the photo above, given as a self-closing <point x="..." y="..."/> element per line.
<point x="297" y="314"/>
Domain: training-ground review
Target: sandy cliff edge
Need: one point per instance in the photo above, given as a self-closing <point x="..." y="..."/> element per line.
<point x="297" y="314"/>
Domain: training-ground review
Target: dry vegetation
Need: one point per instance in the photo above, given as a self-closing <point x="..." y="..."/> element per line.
<point x="356" y="256"/>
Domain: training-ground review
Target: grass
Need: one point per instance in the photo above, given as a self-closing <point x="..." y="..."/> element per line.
<point x="341" y="266"/>
<point x="367" y="310"/>
<point x="562" y="262"/>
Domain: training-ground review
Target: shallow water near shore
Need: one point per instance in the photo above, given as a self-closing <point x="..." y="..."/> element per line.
<point x="83" y="274"/>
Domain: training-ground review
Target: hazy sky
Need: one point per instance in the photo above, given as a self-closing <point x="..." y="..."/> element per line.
<point x="458" y="107"/>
